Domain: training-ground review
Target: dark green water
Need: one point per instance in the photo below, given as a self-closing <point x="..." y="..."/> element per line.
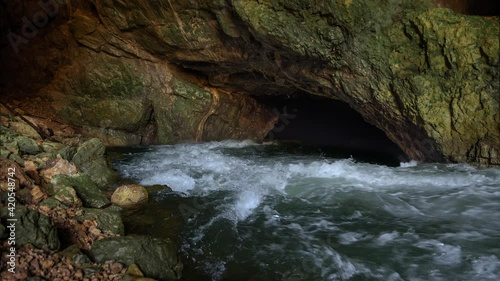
<point x="242" y="211"/>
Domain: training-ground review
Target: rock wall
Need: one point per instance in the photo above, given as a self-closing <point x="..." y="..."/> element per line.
<point x="167" y="71"/>
<point x="80" y="71"/>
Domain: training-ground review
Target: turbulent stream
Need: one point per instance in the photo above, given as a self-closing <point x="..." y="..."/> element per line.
<point x="267" y="212"/>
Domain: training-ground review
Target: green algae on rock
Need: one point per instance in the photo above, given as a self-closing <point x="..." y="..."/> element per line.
<point x="89" y="157"/>
<point x="85" y="188"/>
<point x="35" y="229"/>
<point x="145" y="73"/>
<point x="155" y="257"/>
<point x="109" y="221"/>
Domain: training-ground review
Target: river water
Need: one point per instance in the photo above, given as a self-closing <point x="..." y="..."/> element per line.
<point x="267" y="212"/>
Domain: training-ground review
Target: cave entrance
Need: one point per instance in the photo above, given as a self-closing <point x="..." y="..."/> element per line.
<point x="330" y="126"/>
<point x="472" y="7"/>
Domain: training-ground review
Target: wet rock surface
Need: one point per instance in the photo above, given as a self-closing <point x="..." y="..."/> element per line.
<point x="33" y="228"/>
<point x="131" y="195"/>
<point x="89" y="157"/>
<point x="61" y="212"/>
<point x="85" y="187"/>
<point x="176" y="71"/>
<point x="155" y="257"/>
<point x="48" y="265"/>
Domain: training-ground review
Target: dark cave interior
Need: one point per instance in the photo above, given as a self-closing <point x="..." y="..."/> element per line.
<point x="330" y="125"/>
<point x="472" y="7"/>
<point x="484" y="7"/>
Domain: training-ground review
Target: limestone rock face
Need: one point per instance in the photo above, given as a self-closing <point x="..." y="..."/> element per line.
<point x="169" y="71"/>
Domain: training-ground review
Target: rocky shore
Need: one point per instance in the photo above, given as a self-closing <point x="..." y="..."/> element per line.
<point x="57" y="219"/>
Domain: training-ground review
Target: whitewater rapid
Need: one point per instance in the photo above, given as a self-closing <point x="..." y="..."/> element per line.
<point x="269" y="214"/>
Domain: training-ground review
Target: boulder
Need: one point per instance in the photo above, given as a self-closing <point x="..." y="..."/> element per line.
<point x="34" y="228"/>
<point x="89" y="157"/>
<point x="24" y="129"/>
<point x="48" y="146"/>
<point x="56" y="167"/>
<point x="16" y="158"/>
<point x="156" y="258"/>
<point x="134" y="273"/>
<point x="130" y="195"/>
<point x="4" y="153"/>
<point x="67" y="152"/>
<point x="66" y="195"/>
<point x="108" y="220"/>
<point x="37" y="194"/>
<point x="11" y="146"/>
<point x="27" y="145"/>
<point x="85" y="188"/>
<point x="30" y="166"/>
<point x="52" y="203"/>
<point x="73" y="253"/>
<point x="31" y="170"/>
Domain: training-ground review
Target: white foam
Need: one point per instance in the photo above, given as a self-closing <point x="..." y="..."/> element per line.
<point x="347" y="238"/>
<point x="412" y="163"/>
<point x="442" y="253"/>
<point x="386" y="238"/>
<point x="174" y="178"/>
<point x="204" y="168"/>
<point x="207" y="160"/>
<point x="374" y="176"/>
<point x="486" y="268"/>
<point x="247" y="201"/>
<point x="257" y="189"/>
<point x="448" y="254"/>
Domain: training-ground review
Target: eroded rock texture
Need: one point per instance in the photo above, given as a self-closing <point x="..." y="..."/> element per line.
<point x="166" y="71"/>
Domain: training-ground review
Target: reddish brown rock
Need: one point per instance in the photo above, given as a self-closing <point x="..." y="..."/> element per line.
<point x="12" y="172"/>
<point x="37" y="194"/>
<point x="56" y="167"/>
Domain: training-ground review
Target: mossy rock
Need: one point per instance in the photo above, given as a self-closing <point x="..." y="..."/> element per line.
<point x="85" y="188"/>
<point x="35" y="229"/>
<point x="49" y="146"/>
<point x="24" y="129"/>
<point x="52" y="203"/>
<point x="156" y="258"/>
<point x="27" y="145"/>
<point x="67" y="195"/>
<point x="4" y="153"/>
<point x="90" y="159"/>
<point x="73" y="253"/>
<point x="67" y="152"/>
<point x="108" y="220"/>
<point x="16" y="158"/>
